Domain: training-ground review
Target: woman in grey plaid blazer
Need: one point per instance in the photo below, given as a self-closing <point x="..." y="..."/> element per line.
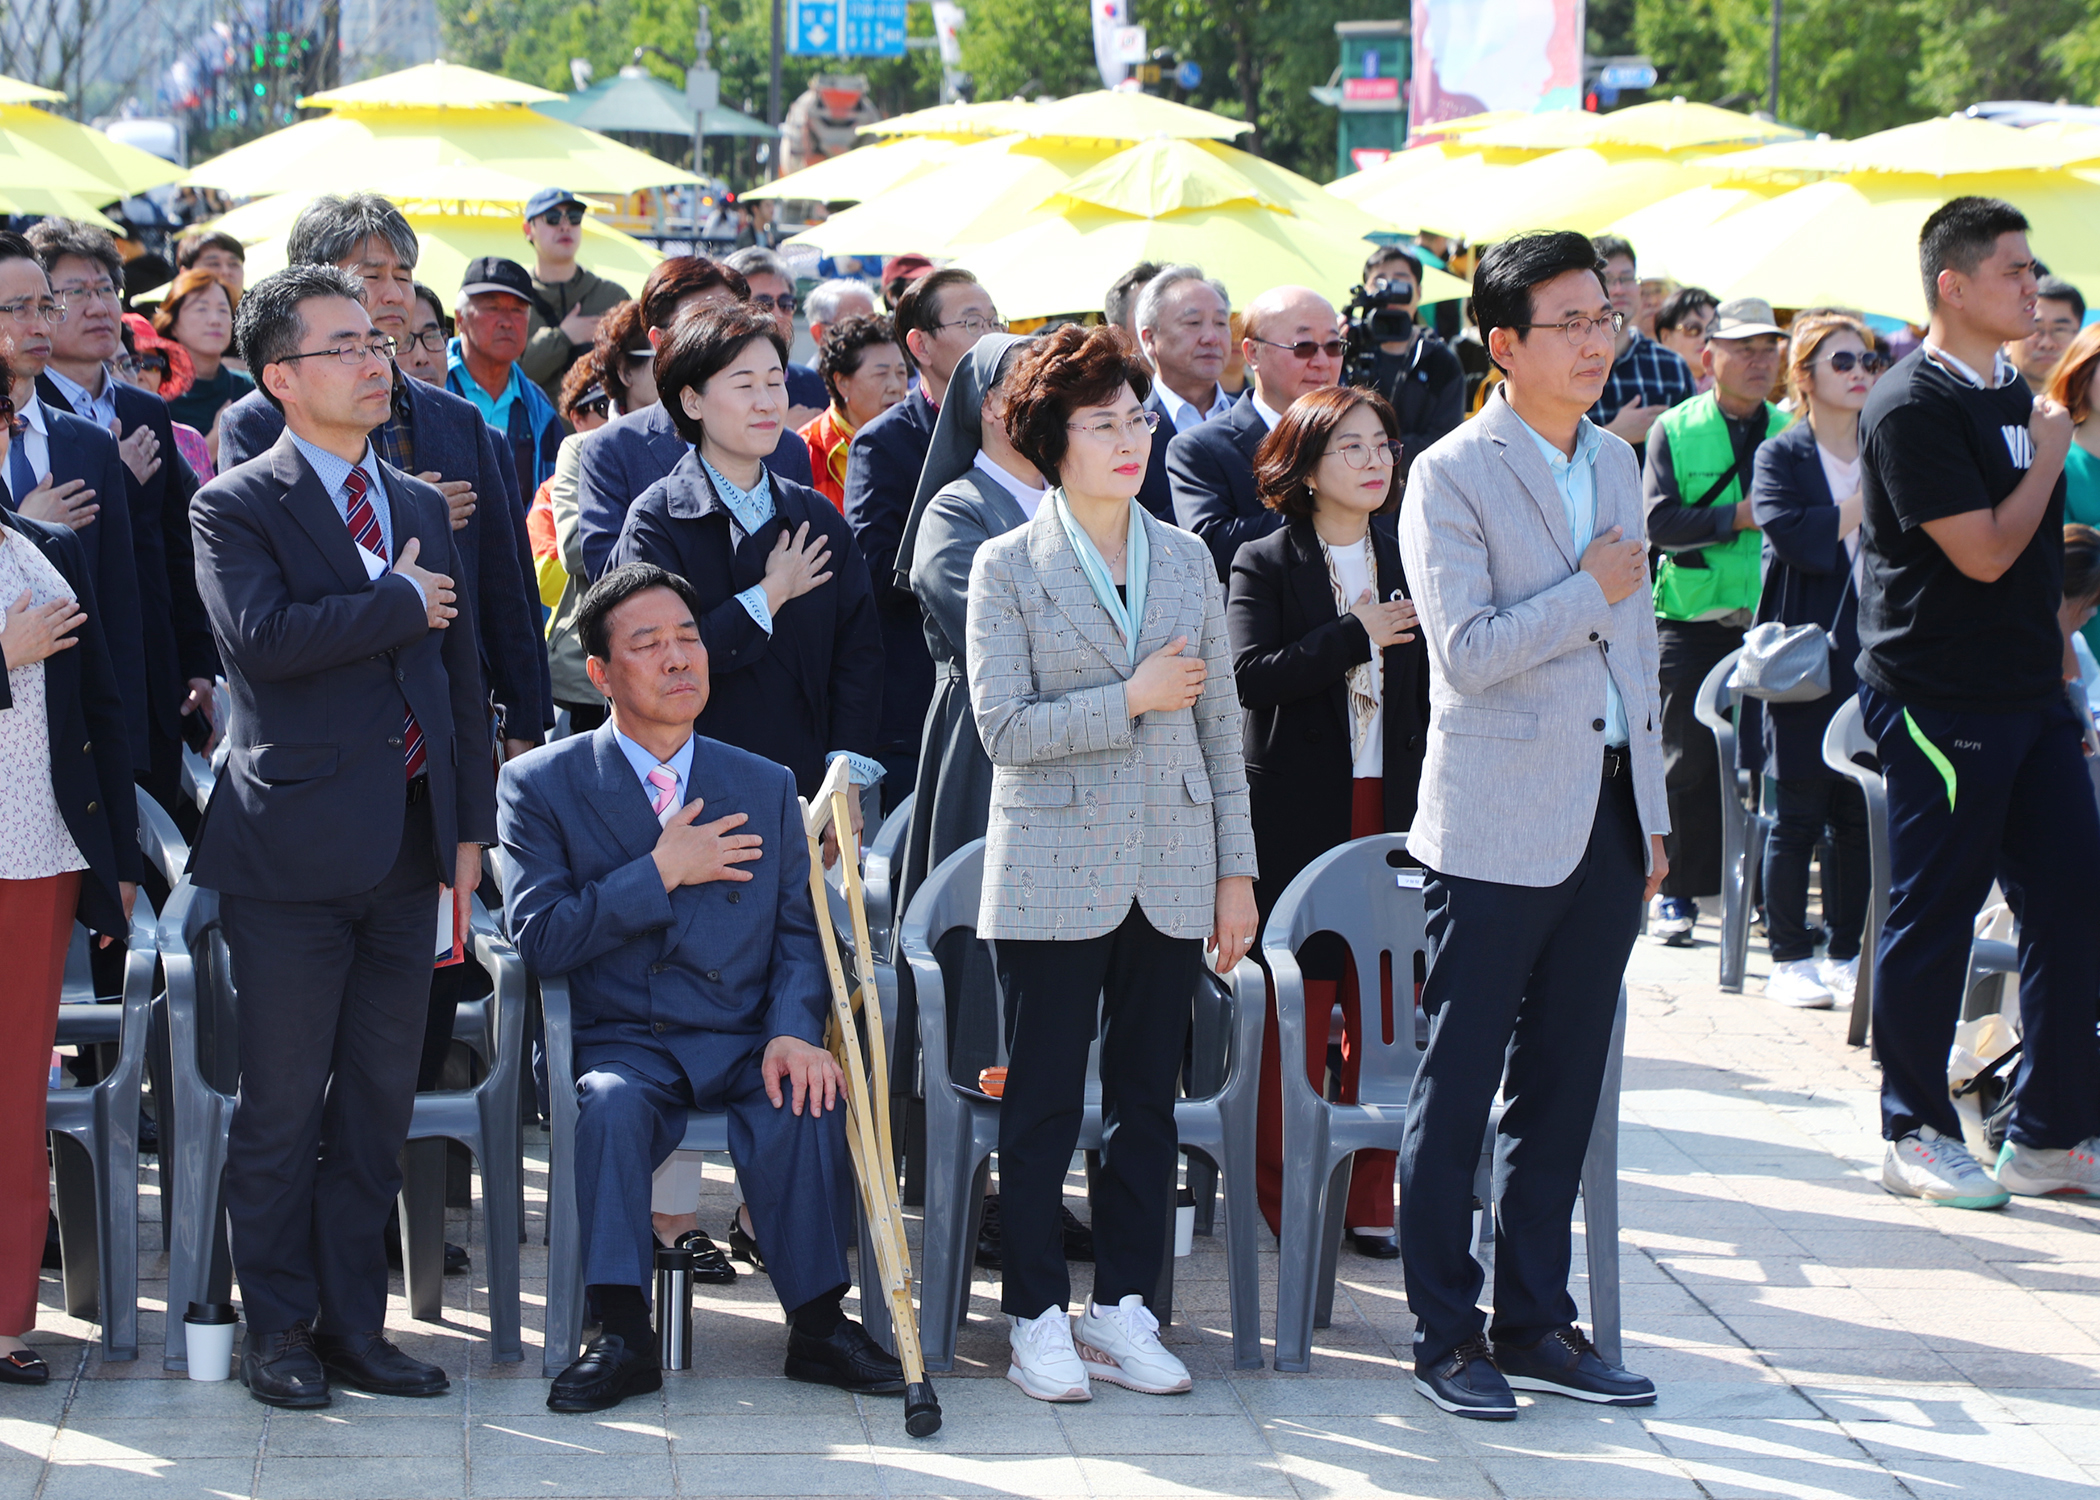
<point x="1101" y="680"/>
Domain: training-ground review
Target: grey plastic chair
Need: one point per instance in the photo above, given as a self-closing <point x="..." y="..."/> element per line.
<point x="204" y="1063"/>
<point x="962" y="1124"/>
<point x="879" y="875"/>
<point x="703" y="1132"/>
<point x="1845" y="738"/>
<point x="1366" y="894"/>
<point x="1744" y="826"/>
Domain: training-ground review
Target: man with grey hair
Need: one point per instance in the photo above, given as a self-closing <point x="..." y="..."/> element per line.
<point x="773" y="293"/>
<point x="835" y="301"/>
<point x="1184" y="325"/>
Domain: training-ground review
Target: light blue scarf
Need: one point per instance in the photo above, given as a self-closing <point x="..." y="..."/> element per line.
<point x="1137" y="569"/>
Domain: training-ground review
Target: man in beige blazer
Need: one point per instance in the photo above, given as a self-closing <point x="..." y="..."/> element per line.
<point x="1541" y="821"/>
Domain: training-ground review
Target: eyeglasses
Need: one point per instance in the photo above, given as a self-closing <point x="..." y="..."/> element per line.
<point x="157" y="361"/>
<point x="555" y="217"/>
<point x="381" y="349"/>
<point x="1144" y="424"/>
<point x="38" y="309"/>
<point x="1690" y="331"/>
<point x="1363" y="455"/>
<point x="785" y="302"/>
<point x="1305" y="349"/>
<point x="96" y="291"/>
<point x="432" y="339"/>
<point x="1579" y="329"/>
<point x="1844" y="360"/>
<point x="1621" y="283"/>
<point x="973" y="325"/>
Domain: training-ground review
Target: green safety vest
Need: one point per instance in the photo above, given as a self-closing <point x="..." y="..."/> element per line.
<point x="1708" y="582"/>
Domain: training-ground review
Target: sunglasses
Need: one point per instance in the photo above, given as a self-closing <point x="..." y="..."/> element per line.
<point x="1843" y="361"/>
<point x="558" y="216"/>
<point x="1307" y="348"/>
<point x="785" y="302"/>
<point x="7" y="410"/>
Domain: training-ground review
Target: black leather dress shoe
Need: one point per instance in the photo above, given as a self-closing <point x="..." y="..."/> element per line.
<point x="709" y="1263"/>
<point x="744" y="1247"/>
<point x="282" y="1369"/>
<point x="457" y="1262"/>
<point x="988" y="1252"/>
<point x="608" y="1374"/>
<point x="1375" y="1246"/>
<point x="848" y="1359"/>
<point x="1079" y="1240"/>
<point x="368" y="1362"/>
<point x="1566" y="1363"/>
<point x="1466" y="1383"/>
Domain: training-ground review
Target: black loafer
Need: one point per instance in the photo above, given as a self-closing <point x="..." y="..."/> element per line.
<point x="988" y="1253"/>
<point x="848" y="1359"/>
<point x="24" y="1367"/>
<point x="1079" y="1240"/>
<point x="1466" y="1383"/>
<point x="457" y="1262"/>
<point x="744" y="1247"/>
<point x="1566" y="1363"/>
<point x="369" y="1362"/>
<point x="709" y="1263"/>
<point x="608" y="1374"/>
<point x="282" y="1369"/>
<point x="1375" y="1246"/>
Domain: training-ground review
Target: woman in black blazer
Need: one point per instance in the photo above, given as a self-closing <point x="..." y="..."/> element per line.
<point x="793" y="642"/>
<point x="1805" y="495"/>
<point x="68" y="851"/>
<point x="1334" y="732"/>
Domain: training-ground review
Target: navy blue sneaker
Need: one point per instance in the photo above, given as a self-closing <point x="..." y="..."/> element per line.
<point x="1565" y="1363"/>
<point x="1466" y="1383"/>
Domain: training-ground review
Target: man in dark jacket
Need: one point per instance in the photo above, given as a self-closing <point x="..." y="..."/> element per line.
<point x="1418" y="374"/>
<point x="570" y="299"/>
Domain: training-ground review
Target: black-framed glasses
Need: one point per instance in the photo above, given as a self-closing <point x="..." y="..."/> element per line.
<point x="975" y="326"/>
<point x="785" y="302"/>
<point x="1305" y="349"/>
<point x="432" y="339"/>
<point x="553" y="218"/>
<point x="1145" y="423"/>
<point x="1844" y="361"/>
<point x="381" y="349"/>
<point x="1579" y="329"/>
<point x="1363" y="455"/>
<point x="41" y="309"/>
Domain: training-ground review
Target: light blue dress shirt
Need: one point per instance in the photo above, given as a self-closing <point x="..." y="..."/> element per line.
<point x="101" y="410"/>
<point x="495" y="410"/>
<point x="334" y="474"/>
<point x="1576" y="480"/>
<point x="681" y="764"/>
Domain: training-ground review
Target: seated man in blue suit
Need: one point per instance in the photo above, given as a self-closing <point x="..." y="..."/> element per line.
<point x="692" y="954"/>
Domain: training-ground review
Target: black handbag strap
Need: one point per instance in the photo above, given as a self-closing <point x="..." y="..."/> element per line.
<point x="1727" y="478"/>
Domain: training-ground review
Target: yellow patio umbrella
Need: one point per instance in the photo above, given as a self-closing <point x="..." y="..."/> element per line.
<point x="18" y="91"/>
<point x="451" y="234"/>
<point x="96" y="158"/>
<point x="1666" y="235"/>
<point x="866" y="172"/>
<point x="955" y="121"/>
<point x="1115" y="115"/>
<point x="1953" y="146"/>
<point x="1373" y="186"/>
<point x="431" y="85"/>
<point x="1671" y="126"/>
<point x="1468" y="124"/>
<point x="1853" y="241"/>
<point x="64" y="205"/>
<point x="1579" y="188"/>
<point x="366" y="149"/>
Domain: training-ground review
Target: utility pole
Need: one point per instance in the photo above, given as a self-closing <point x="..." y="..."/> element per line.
<point x="773" y="99"/>
<point x="1772" y="87"/>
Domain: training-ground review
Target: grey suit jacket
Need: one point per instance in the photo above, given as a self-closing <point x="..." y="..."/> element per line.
<point x="1092" y="809"/>
<point x="1520" y="642"/>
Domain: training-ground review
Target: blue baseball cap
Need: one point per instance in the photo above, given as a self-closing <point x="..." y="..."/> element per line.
<point x="552" y="197"/>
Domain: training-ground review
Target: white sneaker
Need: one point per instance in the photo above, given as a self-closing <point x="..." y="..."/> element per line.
<point x="1121" y="1345"/>
<point x="1840" y="976"/>
<point x="1797" y="983"/>
<point x="1045" y="1364"/>
<point x="1939" y="1169"/>
<point x="2033" y="1172"/>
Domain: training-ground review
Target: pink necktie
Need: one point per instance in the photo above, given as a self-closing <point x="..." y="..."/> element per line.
<point x="664" y="800"/>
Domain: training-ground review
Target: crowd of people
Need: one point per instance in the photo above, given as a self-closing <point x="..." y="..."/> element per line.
<point x="1159" y="607"/>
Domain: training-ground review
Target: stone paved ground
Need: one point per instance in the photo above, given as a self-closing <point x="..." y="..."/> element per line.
<point x="1812" y="1338"/>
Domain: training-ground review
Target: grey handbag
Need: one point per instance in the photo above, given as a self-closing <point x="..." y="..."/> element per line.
<point x="1787" y="663"/>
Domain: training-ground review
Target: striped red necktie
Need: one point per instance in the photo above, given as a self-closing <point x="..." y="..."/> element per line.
<point x="364" y="530"/>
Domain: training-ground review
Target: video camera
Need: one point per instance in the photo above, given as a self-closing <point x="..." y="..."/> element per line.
<point x="1382" y="312"/>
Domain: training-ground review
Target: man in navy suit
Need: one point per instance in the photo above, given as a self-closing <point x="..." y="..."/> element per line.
<point x="87" y="274"/>
<point x="66" y="470"/>
<point x="939" y="318"/>
<point x="1293" y="344"/>
<point x="359" y="781"/>
<point x="626" y="456"/>
<point x="440" y="438"/>
<point x="693" y="962"/>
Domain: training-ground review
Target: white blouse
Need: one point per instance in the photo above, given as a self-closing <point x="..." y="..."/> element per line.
<point x="34" y="840"/>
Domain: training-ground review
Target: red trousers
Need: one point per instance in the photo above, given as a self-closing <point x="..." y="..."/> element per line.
<point x="1371" y="1177"/>
<point x="36" y="924"/>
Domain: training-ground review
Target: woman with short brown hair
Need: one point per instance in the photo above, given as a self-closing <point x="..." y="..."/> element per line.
<point x="1335" y="680"/>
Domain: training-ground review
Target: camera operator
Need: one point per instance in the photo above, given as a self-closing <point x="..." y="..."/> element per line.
<point x="1401" y="358"/>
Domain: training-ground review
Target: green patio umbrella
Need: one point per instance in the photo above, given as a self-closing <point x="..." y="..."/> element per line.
<point x="640" y="103"/>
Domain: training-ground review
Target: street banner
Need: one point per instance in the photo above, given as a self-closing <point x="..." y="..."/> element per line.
<point x="1471" y="56"/>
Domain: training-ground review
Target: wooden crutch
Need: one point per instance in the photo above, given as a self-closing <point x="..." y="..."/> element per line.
<point x="867" y="1108"/>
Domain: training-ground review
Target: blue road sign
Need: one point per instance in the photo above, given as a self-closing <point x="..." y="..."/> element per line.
<point x="816" y="28"/>
<point x="847" y="28"/>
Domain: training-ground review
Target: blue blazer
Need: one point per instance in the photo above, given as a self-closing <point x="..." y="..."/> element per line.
<point x="1210" y="469"/>
<point x="1807" y="580"/>
<point x="1157" y="495"/>
<point x="882" y="476"/>
<point x="81" y="450"/>
<point x="815" y="685"/>
<point x="495" y="553"/>
<point x="661" y="970"/>
<point x="318" y="659"/>
<point x="624" y="457"/>
<point x="93" y="782"/>
<point x="177" y="642"/>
